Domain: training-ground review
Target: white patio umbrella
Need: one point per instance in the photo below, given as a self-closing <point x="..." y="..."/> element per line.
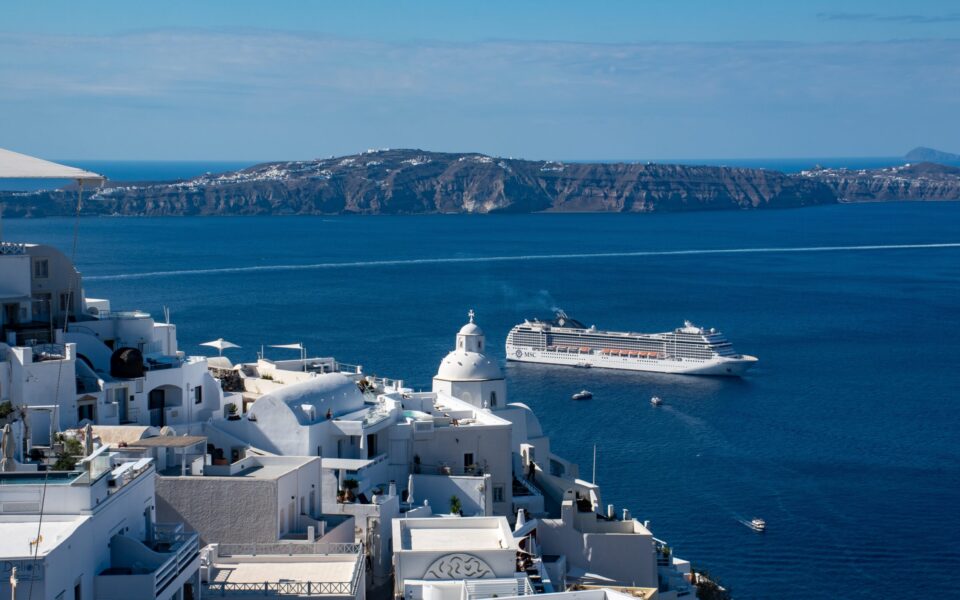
<point x="410" y="489"/>
<point x="220" y="344"/>
<point x="14" y="165"/>
<point x="7" y="463"/>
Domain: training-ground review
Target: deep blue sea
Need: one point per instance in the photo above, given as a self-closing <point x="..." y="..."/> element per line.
<point x="844" y="438"/>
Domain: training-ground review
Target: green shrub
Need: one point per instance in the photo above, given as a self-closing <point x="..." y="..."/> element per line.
<point x="67" y="460"/>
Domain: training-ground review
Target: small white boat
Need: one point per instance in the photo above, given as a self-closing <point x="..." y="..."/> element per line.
<point x="756" y="524"/>
<point x="656" y="401"/>
<point x="582" y="365"/>
<point x="582" y="395"/>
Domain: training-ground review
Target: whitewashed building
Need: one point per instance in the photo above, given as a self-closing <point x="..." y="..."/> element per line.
<point x="450" y="558"/>
<point x="70" y="359"/>
<point x="92" y="533"/>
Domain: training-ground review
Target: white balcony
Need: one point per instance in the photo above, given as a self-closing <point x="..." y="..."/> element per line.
<point x="149" y="570"/>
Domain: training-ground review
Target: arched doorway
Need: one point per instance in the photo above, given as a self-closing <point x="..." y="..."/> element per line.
<point x="159" y="402"/>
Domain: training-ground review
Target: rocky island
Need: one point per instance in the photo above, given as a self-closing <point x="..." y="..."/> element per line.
<point x="418" y="182"/>
<point x="924" y="154"/>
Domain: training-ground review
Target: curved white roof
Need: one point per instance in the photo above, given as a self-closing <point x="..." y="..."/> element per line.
<point x="310" y="400"/>
<point x="468" y="366"/>
<point x="471" y="328"/>
<point x="534" y="430"/>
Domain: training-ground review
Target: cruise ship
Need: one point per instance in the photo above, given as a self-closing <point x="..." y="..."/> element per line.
<point x="687" y="350"/>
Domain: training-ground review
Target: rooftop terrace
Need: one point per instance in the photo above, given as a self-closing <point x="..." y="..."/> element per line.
<point x="300" y="570"/>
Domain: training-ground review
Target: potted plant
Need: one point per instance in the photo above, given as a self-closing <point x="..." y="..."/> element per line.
<point x="232" y="412"/>
<point x="455" y="505"/>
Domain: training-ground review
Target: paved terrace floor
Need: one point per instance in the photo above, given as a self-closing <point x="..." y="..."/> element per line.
<point x="452" y="539"/>
<point x="259" y="572"/>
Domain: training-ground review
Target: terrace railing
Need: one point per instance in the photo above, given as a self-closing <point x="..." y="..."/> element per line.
<point x="281" y="588"/>
<point x="293" y="588"/>
<point x="287" y="548"/>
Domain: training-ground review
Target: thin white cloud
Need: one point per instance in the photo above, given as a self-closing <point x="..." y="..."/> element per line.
<point x="910" y="19"/>
<point x="470" y="95"/>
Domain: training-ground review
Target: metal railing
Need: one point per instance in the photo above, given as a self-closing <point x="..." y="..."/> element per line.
<point x="287" y="548"/>
<point x="12" y="248"/>
<point x="185" y="548"/>
<point x="478" y="589"/>
<point x="296" y="588"/>
<point x="528" y="489"/>
<point x="281" y="588"/>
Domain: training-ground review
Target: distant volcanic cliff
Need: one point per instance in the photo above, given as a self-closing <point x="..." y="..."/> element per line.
<point x="416" y="182"/>
<point x="923" y="181"/>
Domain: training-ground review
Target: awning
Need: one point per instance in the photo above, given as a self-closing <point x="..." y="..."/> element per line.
<point x="289" y="346"/>
<point x="14" y="165"/>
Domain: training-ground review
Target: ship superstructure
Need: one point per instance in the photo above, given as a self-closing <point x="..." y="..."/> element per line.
<point x="688" y="350"/>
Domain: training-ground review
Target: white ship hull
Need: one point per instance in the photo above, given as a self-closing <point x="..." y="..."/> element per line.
<point x="726" y="366"/>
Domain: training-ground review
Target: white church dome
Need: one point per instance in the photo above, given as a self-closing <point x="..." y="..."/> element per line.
<point x="471" y="328"/>
<point x="468" y="366"/>
<point x="468" y="362"/>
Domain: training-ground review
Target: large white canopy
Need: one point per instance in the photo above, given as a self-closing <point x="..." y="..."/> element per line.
<point x="220" y="344"/>
<point x="14" y="165"/>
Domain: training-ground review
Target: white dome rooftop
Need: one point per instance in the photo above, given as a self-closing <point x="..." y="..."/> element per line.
<point x="471" y="328"/>
<point x="468" y="366"/>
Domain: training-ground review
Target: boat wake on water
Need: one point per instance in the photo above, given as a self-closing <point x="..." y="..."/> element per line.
<point x="514" y="258"/>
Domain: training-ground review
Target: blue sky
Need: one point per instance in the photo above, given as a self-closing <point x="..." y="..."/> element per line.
<point x="563" y="80"/>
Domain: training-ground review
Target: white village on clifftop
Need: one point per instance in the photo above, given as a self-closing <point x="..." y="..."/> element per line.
<point x="131" y="470"/>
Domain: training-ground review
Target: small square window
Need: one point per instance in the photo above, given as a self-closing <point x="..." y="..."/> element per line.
<point x="498" y="493"/>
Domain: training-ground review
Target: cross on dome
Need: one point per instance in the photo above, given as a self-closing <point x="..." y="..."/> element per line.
<point x="471" y="314"/>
